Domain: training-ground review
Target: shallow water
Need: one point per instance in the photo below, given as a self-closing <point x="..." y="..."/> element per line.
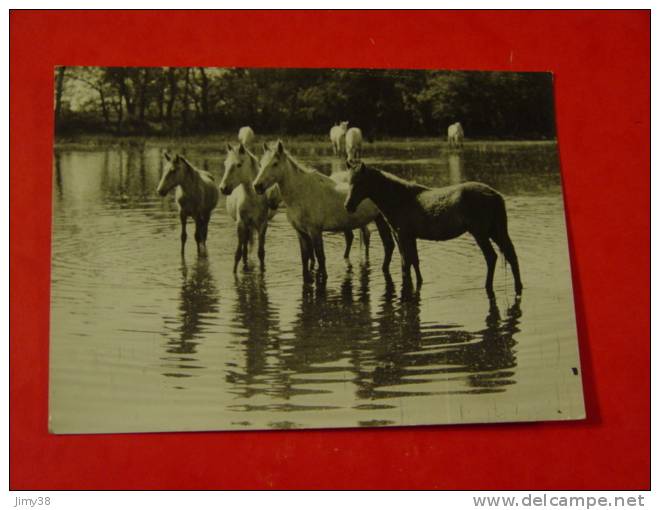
<point x="142" y="340"/>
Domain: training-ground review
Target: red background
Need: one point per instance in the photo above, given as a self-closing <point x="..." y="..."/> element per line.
<point x="601" y="62"/>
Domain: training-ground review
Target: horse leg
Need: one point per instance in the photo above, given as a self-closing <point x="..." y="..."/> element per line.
<point x="312" y="258"/>
<point x="199" y="236"/>
<point x="504" y="242"/>
<point x="414" y="259"/>
<point x="365" y="237"/>
<point x="317" y="244"/>
<point x="246" y="246"/>
<point x="240" y="234"/>
<point x="305" y="251"/>
<point x="388" y="242"/>
<point x="491" y="260"/>
<point x="348" y="235"/>
<point x="184" y="219"/>
<point x="262" y="246"/>
<point x="405" y="251"/>
<point x="205" y="230"/>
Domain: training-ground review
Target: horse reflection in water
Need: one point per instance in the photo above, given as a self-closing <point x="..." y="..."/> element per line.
<point x="257" y="319"/>
<point x="389" y="354"/>
<point x="411" y="353"/>
<point x="327" y="329"/>
<point x="492" y="360"/>
<point x="198" y="300"/>
<point x="323" y="331"/>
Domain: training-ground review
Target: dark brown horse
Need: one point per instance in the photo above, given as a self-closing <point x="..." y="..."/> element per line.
<point x="438" y="214"/>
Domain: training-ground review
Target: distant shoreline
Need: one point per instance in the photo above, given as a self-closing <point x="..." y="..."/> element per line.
<point x="221" y="139"/>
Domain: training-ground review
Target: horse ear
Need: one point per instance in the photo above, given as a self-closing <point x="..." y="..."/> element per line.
<point x="167" y="156"/>
<point x="280" y="147"/>
<point x="228" y="147"/>
<point x="241" y="149"/>
<point x="179" y="158"/>
<point x="265" y="147"/>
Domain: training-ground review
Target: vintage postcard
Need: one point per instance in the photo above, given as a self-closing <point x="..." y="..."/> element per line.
<point x="307" y="248"/>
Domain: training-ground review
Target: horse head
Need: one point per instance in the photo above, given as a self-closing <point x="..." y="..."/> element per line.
<point x="238" y="165"/>
<point x="357" y="185"/>
<point x="174" y="171"/>
<point x="271" y="167"/>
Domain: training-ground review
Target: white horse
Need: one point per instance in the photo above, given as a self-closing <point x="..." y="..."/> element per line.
<point x="245" y="136"/>
<point x="353" y="144"/>
<point x="250" y="211"/>
<point x="337" y="135"/>
<point x="455" y="135"/>
<point x="315" y="204"/>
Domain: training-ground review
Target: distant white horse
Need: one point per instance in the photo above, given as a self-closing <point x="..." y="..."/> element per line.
<point x="455" y="135"/>
<point x="353" y="143"/>
<point x="245" y="136"/>
<point x="337" y="135"/>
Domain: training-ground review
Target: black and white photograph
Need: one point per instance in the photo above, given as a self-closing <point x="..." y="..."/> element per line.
<point x="281" y="248"/>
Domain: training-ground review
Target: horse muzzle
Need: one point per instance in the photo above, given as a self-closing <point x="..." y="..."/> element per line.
<point x="259" y="188"/>
<point x="225" y="190"/>
<point x="161" y="191"/>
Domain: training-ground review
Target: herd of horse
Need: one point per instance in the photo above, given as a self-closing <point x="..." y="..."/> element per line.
<point x="403" y="211"/>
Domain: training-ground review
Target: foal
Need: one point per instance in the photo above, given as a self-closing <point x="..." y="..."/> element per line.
<point x="196" y="196"/>
<point x="250" y="211"/>
<point x="438" y="214"/>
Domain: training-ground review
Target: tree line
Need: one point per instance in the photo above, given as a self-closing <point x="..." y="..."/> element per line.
<point x="196" y="100"/>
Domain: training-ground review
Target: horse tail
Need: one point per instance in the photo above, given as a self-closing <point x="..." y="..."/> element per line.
<point x="501" y="228"/>
<point x="503" y="241"/>
<point x="500" y="232"/>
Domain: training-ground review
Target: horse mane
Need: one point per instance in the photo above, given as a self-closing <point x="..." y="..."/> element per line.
<point x="193" y="167"/>
<point x="308" y="170"/>
<point x="409" y="185"/>
<point x="298" y="165"/>
<point x="254" y="160"/>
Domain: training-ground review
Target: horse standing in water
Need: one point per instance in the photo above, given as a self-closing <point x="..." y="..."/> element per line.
<point x="353" y="144"/>
<point x="315" y="205"/>
<point x="250" y="211"/>
<point x="338" y="137"/>
<point x="196" y="197"/>
<point x="438" y="214"/>
<point x="455" y="135"/>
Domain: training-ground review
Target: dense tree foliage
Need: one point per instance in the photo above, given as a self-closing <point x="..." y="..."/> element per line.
<point x="188" y="100"/>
